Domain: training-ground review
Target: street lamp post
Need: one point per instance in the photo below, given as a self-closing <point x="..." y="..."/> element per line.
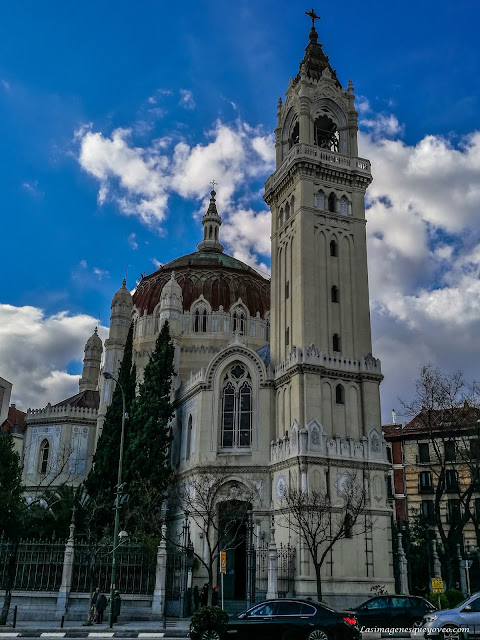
<point x="109" y="376"/>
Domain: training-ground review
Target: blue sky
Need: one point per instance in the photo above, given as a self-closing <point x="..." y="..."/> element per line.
<point x="114" y="117"/>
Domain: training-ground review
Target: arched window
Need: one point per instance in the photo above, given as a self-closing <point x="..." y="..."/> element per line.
<point x="179" y="443"/>
<point x="287" y="211"/>
<point x="320" y="200"/>
<point x="156" y="326"/>
<point x="189" y="438"/>
<point x="295" y="136"/>
<point x="210" y="232"/>
<point x="292" y="206"/>
<point x="335" y="295"/>
<point x="336" y="342"/>
<point x="343" y="205"/>
<point x="237" y="408"/>
<point x="332" y="203"/>
<point x="200" y="320"/>
<point x="325" y="133"/>
<point x="280" y="218"/>
<point x="333" y="249"/>
<point x="339" y="394"/>
<point x="43" y="458"/>
<point x="238" y="324"/>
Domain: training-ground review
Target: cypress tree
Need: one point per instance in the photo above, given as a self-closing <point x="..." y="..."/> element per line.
<point x="102" y="480"/>
<point x="147" y="458"/>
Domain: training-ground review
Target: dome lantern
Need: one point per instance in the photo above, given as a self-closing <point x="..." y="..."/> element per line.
<point x="211" y="226"/>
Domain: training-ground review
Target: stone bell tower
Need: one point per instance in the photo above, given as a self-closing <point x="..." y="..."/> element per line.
<point x="327" y="409"/>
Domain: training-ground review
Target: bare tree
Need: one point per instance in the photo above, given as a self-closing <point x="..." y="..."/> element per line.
<point x="446" y="412"/>
<point x="218" y="506"/>
<point x="321" y="523"/>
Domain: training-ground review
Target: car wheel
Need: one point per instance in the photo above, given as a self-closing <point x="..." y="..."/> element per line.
<point x="451" y="632"/>
<point x="317" y="634"/>
<point x="210" y="634"/>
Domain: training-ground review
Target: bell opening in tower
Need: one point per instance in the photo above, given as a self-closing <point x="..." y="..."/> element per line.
<point x="325" y="133"/>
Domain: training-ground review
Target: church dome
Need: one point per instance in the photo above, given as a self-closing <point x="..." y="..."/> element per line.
<point x="221" y="279"/>
<point x="122" y="296"/>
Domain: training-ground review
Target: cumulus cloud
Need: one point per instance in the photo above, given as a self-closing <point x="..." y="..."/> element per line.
<point x="132" y="241"/>
<point x="36" y="349"/>
<point x="247" y="232"/>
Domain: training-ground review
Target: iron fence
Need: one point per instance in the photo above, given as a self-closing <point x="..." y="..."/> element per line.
<point x="31" y="565"/>
<point x="92" y="567"/>
<point x="286" y="571"/>
<point x="261" y="571"/>
<point x="173" y="584"/>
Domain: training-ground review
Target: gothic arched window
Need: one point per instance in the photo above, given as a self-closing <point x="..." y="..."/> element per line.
<point x="189" y="438"/>
<point x="336" y="342"/>
<point x="335" y="294"/>
<point x="332" y="202"/>
<point x="320" y="200"/>
<point x="157" y="322"/>
<point x="200" y="320"/>
<point x="344" y="206"/>
<point x="280" y="218"/>
<point x="339" y="394"/>
<point x="43" y="457"/>
<point x="333" y="249"/>
<point x="325" y="133"/>
<point x="287" y="211"/>
<point x="237" y="408"/>
<point x="295" y="135"/>
<point x="238" y="322"/>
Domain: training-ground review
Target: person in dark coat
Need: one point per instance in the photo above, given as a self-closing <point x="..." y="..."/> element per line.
<point x="100" y="606"/>
<point x="204" y="595"/>
<point x="117" y="603"/>
<point x="196" y="597"/>
<point x="215" y="596"/>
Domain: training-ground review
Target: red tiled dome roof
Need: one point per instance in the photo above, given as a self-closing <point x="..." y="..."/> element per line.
<point x="219" y="277"/>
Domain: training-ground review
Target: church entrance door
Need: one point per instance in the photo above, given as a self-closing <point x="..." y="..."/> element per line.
<point x="233" y="540"/>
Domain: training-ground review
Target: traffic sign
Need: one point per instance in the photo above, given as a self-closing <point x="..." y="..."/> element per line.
<point x="437" y="585"/>
<point x="223" y="562"/>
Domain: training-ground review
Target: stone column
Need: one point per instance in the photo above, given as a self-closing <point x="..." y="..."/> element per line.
<point x="66" y="585"/>
<point x="272" y="588"/>
<point x="158" y="601"/>
<point x="402" y="566"/>
<point x="463" y="577"/>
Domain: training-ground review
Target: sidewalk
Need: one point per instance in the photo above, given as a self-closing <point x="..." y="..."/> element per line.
<point x="175" y="628"/>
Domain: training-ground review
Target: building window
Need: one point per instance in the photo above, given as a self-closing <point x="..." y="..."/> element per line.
<point x="44" y="455"/>
<point x="320" y="200"/>
<point x="425" y="482"/>
<point x="451" y="480"/>
<point x="189" y="438"/>
<point x="427" y="512"/>
<point x="348" y="523"/>
<point x="200" y="320"/>
<point x="450" y="453"/>
<point x="238" y="322"/>
<point x="287" y="336"/>
<point x="454" y="512"/>
<point x="333" y="249"/>
<point x="287" y="289"/>
<point x="332" y="203"/>
<point x="237" y="408"/>
<point x="335" y="294"/>
<point x="340" y="394"/>
<point x="336" y="342"/>
<point x="423" y="452"/>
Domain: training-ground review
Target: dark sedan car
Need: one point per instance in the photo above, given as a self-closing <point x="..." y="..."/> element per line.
<point x="287" y="619"/>
<point x="393" y="611"/>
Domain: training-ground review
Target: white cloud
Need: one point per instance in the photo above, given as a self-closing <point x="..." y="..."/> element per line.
<point x="186" y="99"/>
<point x="35" y="350"/>
<point x="101" y="273"/>
<point x="33" y="189"/>
<point x="132" y="241"/>
<point x="247" y="233"/>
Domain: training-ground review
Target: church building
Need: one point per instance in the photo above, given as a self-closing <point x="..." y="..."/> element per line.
<point x="276" y="382"/>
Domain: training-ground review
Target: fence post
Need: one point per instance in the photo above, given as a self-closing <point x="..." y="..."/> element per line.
<point x="403" y="566"/>
<point x="272" y="588"/>
<point x="463" y="577"/>
<point x="66" y="585"/>
<point x="158" y="601"/>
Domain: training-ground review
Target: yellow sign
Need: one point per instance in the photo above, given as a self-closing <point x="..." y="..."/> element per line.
<point x="437" y="585"/>
<point x="223" y="562"/>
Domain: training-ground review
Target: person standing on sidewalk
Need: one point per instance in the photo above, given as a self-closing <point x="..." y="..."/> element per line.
<point x="101" y="606"/>
<point x="117" y="603"/>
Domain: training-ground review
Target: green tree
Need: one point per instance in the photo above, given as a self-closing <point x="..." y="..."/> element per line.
<point x="147" y="456"/>
<point x="102" y="480"/>
<point x="11" y="501"/>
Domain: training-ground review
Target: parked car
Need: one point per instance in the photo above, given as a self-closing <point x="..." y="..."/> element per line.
<point x="454" y="624"/>
<point x="286" y="619"/>
<point x="393" y="611"/>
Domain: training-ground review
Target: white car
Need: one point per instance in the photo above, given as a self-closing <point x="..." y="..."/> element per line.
<point x="454" y="624"/>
